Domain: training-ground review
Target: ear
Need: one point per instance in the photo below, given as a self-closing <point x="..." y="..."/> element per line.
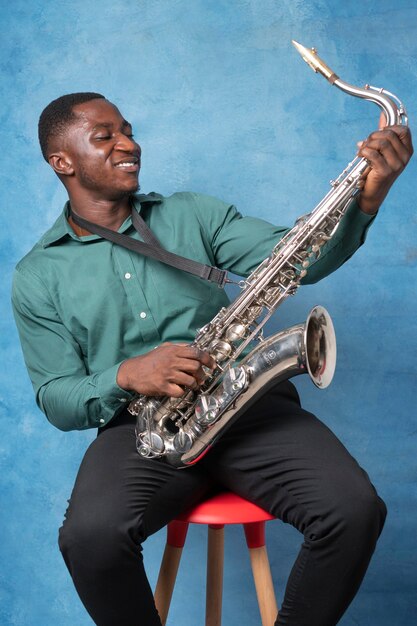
<point x="61" y="163"/>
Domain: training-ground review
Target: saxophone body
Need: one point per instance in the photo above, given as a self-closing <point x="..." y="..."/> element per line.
<point x="181" y="430"/>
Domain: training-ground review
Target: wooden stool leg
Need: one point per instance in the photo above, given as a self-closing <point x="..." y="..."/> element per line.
<point x="177" y="532"/>
<point x="264" y="586"/>
<point x="255" y="537"/>
<point x="214" y="588"/>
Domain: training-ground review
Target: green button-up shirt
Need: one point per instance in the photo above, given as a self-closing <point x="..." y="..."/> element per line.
<point x="83" y="304"/>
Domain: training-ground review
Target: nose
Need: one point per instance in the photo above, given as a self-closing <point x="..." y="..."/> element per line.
<point x="127" y="144"/>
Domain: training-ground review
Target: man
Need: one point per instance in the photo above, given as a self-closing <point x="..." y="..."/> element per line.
<point x="99" y="324"/>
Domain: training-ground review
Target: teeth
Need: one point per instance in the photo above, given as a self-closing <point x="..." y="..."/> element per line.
<point x="125" y="164"/>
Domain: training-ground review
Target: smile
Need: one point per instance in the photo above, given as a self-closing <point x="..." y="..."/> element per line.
<point x="129" y="166"/>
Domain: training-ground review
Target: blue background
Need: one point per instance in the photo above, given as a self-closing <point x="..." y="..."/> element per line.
<point x="221" y="103"/>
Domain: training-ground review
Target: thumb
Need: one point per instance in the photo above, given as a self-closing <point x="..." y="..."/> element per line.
<point x="382" y="121"/>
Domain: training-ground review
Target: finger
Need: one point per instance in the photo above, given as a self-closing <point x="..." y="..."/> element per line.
<point x="394" y="153"/>
<point x="186" y="365"/>
<point x="183" y="379"/>
<point x="399" y="135"/>
<point x="378" y="162"/>
<point x="403" y="133"/>
<point x="201" y="373"/>
<point x="365" y="174"/>
<point x="192" y="368"/>
<point x="186" y="351"/>
<point x="382" y="157"/>
<point x="207" y="360"/>
<point x="202" y="356"/>
<point x="174" y="391"/>
<point x="182" y="351"/>
<point x="167" y="345"/>
<point x="384" y="140"/>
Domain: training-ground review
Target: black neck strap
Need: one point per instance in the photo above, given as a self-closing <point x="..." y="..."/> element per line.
<point x="151" y="247"/>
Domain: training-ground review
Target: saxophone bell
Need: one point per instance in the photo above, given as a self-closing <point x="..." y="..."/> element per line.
<point x="320" y="343"/>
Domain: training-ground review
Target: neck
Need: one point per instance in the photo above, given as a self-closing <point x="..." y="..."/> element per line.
<point x="108" y="213"/>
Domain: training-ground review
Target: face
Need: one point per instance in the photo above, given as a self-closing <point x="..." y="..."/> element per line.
<point x="104" y="156"/>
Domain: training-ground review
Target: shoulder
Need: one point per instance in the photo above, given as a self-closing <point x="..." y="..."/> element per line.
<point x="183" y="200"/>
<point x="35" y="266"/>
<point x="194" y="212"/>
<point x="198" y="201"/>
<point x="208" y="210"/>
<point x="28" y="277"/>
<point x="55" y="233"/>
<point x="31" y="263"/>
<point x="29" y="289"/>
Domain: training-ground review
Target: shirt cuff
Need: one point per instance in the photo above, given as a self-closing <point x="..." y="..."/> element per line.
<point x="357" y="220"/>
<point x="113" y="398"/>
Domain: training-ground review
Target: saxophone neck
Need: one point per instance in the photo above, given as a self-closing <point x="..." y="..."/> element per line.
<point x="391" y="106"/>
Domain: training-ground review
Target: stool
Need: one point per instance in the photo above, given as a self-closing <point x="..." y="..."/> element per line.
<point x="224" y="508"/>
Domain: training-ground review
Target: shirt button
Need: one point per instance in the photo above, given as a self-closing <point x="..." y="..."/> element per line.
<point x="128" y="275"/>
<point x="102" y="421"/>
<point x="142" y="314"/>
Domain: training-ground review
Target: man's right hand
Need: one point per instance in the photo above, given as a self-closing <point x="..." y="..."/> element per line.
<point x="165" y="371"/>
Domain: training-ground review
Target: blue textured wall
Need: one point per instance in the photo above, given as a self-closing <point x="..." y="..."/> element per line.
<point x="221" y="103"/>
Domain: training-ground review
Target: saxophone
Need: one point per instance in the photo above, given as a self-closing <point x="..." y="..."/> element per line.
<point x="181" y="430"/>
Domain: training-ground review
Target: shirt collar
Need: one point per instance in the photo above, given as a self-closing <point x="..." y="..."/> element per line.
<point x="62" y="230"/>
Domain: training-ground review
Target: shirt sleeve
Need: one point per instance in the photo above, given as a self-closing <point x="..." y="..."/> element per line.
<point x="71" y="398"/>
<point x="348" y="238"/>
<point x="240" y="243"/>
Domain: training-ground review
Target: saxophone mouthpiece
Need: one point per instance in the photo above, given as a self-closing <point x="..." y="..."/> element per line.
<point x="311" y="57"/>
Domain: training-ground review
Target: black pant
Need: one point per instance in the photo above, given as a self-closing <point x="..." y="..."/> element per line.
<point x="277" y="455"/>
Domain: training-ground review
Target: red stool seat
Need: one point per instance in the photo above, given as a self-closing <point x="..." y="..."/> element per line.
<point x="225" y="508"/>
<point x="216" y="512"/>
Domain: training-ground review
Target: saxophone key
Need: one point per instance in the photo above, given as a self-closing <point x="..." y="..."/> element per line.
<point x="207" y="371"/>
<point x="219" y="349"/>
<point x="254" y="312"/>
<point x="150" y="444"/>
<point x="300" y="256"/>
<point x="182" y="442"/>
<point x="235" y="380"/>
<point x="235" y="332"/>
<point x="206" y="409"/>
<point x="177" y="404"/>
<point x="288" y="274"/>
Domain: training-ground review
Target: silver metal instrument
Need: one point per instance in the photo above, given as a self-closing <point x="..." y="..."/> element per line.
<point x="181" y="430"/>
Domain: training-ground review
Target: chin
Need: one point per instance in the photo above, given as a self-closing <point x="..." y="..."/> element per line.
<point x="135" y="187"/>
<point x="118" y="194"/>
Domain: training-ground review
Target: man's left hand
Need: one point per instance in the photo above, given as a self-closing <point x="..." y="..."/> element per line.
<point x="388" y="151"/>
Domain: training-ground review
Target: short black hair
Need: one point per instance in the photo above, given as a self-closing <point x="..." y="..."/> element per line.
<point x="55" y="118"/>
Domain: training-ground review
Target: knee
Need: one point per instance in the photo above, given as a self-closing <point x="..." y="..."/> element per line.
<point x="355" y="517"/>
<point x="363" y="515"/>
<point x="93" y="541"/>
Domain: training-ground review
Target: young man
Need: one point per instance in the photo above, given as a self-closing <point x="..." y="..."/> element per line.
<point x="99" y="324"/>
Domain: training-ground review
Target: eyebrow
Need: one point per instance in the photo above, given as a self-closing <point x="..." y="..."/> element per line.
<point x="125" y="123"/>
